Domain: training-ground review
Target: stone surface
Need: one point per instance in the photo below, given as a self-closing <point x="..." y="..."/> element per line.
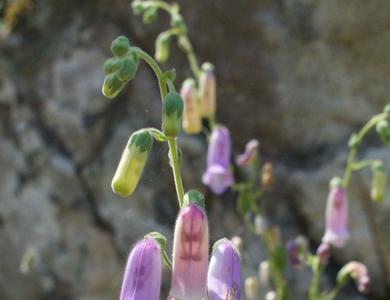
<point x="299" y="75"/>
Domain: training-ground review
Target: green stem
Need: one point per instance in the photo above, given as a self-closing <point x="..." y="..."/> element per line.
<point x="162" y="82"/>
<point x="156" y="68"/>
<point x="315" y="281"/>
<point x="175" y="164"/>
<point x="364" y="163"/>
<point x="353" y="151"/>
<point x="166" y="260"/>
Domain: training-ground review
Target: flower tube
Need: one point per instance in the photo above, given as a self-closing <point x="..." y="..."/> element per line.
<point x="207" y="91"/>
<point x="336" y="217"/>
<point x="142" y="279"/>
<point x="132" y="163"/>
<point x="218" y="175"/>
<point x="223" y="278"/>
<point x="192" y="121"/>
<point x="190" y="255"/>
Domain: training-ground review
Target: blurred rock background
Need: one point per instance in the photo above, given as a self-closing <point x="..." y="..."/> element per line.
<point x="299" y="75"/>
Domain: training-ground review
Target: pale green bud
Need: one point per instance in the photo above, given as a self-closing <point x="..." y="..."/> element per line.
<point x="112" y="86"/>
<point x="378" y="182"/>
<point x="127" y="69"/>
<point x="162" y="47"/>
<point x="132" y="163"/>
<point x="207" y="90"/>
<point x="172" y="112"/>
<point x="383" y="130"/>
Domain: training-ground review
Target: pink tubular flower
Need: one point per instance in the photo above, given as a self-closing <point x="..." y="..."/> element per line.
<point x="190" y="255"/>
<point x="142" y="277"/>
<point x="323" y="252"/>
<point x="336" y="217"/>
<point x="218" y="175"/>
<point x="249" y="154"/>
<point x="223" y="278"/>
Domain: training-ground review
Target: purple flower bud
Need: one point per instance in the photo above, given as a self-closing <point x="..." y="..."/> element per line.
<point x="142" y="277"/>
<point x="218" y="175"/>
<point x="358" y="272"/>
<point x="293" y="253"/>
<point x="190" y="255"/>
<point x="336" y="217"/>
<point x="323" y="253"/>
<point x="250" y="153"/>
<point x="223" y="278"/>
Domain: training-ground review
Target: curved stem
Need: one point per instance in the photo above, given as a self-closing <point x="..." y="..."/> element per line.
<point x="175" y="164"/>
<point x="173" y="150"/>
<point x="353" y="151"/>
<point x="156" y="68"/>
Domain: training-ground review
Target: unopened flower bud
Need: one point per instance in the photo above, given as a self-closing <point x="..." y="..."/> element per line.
<point x="190" y="254"/>
<point x="271" y="295"/>
<point x="193" y="196"/>
<point x="267" y="175"/>
<point x="207" y="90"/>
<point x="323" y="253"/>
<point x="162" y="47"/>
<point x="150" y="15"/>
<point x="172" y="113"/>
<point x="132" y="163"/>
<point x="223" y="278"/>
<point x="237" y="242"/>
<point x="293" y="253"/>
<point x="138" y="7"/>
<point x="112" y="65"/>
<point x="177" y="21"/>
<point x="120" y="46"/>
<point x="358" y="272"/>
<point x="378" y="182"/>
<point x="336" y="216"/>
<point x="112" y="85"/>
<point x="218" y="175"/>
<point x="251" y="287"/>
<point x="250" y="153"/>
<point x="261" y="224"/>
<point x="383" y="130"/>
<point x="127" y="69"/>
<point x="142" y="278"/>
<point x="264" y="273"/>
<point x="192" y="121"/>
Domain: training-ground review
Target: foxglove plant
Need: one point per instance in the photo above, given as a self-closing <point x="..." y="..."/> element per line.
<point x="197" y="100"/>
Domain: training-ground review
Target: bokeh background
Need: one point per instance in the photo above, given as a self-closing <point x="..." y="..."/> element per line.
<point x="298" y="75"/>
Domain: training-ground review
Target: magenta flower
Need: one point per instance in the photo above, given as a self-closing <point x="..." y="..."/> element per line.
<point x="142" y="277"/>
<point x="190" y="255"/>
<point x="358" y="272"/>
<point x="218" y="175"/>
<point x="249" y="154"/>
<point x="223" y="278"/>
<point x="336" y="217"/>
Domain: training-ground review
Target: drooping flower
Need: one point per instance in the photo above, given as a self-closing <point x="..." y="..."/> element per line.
<point x="132" y="163"/>
<point x="223" y="278"/>
<point x="378" y="181"/>
<point x="249" y="154"/>
<point x="358" y="272"/>
<point x="207" y="90"/>
<point x="218" y="175"/>
<point x="190" y="255"/>
<point x="171" y="114"/>
<point x="142" y="279"/>
<point x="192" y="120"/>
<point x="336" y="217"/>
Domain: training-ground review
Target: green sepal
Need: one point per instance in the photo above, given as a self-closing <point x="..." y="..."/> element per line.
<point x="142" y="139"/>
<point x="112" y="65"/>
<point x="112" y="86"/>
<point x="127" y="69"/>
<point x="120" y="46"/>
<point x="170" y="75"/>
<point x="194" y="196"/>
<point x="173" y="103"/>
<point x="342" y="276"/>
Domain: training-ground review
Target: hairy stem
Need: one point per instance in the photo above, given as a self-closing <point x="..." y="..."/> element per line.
<point x="175" y="164"/>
